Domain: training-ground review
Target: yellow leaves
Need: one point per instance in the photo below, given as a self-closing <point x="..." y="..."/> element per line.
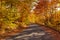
<point x="12" y="26"/>
<point x="40" y="19"/>
<point x="24" y="25"/>
<point x="32" y="18"/>
<point x="8" y="14"/>
<point x="12" y="10"/>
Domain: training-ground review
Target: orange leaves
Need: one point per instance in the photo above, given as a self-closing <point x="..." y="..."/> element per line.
<point x="48" y="14"/>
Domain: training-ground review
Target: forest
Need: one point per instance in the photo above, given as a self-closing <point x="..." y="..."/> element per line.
<point x="16" y="13"/>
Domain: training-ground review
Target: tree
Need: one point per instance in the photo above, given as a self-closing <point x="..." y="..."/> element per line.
<point x="14" y="13"/>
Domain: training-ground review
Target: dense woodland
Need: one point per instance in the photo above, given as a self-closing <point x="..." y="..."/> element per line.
<point x="49" y="13"/>
<point x="16" y="13"/>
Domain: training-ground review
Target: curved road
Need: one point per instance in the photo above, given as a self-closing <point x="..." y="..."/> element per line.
<point x="36" y="32"/>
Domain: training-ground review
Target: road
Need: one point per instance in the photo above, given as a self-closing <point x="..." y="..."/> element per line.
<point x="36" y="32"/>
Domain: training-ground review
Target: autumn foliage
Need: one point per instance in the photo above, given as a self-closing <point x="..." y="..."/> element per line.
<point x="16" y="13"/>
<point x="48" y="13"/>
